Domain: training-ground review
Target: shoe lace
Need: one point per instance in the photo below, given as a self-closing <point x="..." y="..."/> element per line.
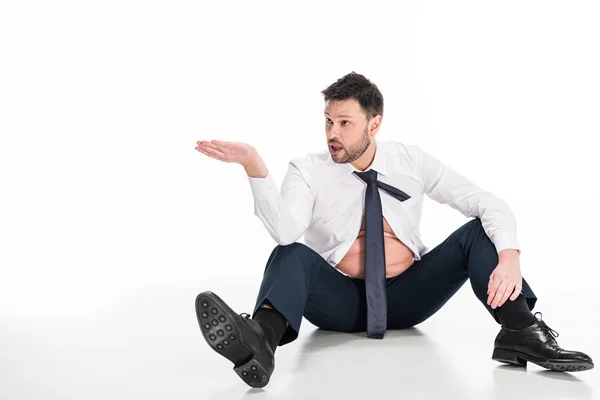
<point x="245" y="315"/>
<point x="548" y="329"/>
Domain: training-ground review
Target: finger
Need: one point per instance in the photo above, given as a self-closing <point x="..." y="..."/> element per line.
<point x="492" y="289"/>
<point x="509" y="289"/>
<point x="221" y="143"/>
<point x="499" y="294"/>
<point x="216" y="147"/>
<point x="211" y="152"/>
<point x="204" y="151"/>
<point x="494" y="280"/>
<point x="517" y="291"/>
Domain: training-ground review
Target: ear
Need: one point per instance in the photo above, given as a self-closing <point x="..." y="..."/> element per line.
<point x="374" y="124"/>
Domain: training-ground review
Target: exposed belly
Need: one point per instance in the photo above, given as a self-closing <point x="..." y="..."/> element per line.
<point x="398" y="256"/>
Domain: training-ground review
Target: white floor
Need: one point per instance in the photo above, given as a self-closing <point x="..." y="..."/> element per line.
<point x="148" y="345"/>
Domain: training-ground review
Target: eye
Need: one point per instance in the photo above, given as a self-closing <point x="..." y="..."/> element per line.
<point x="328" y="120"/>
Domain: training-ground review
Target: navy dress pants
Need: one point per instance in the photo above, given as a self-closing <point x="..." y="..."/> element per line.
<point x="299" y="282"/>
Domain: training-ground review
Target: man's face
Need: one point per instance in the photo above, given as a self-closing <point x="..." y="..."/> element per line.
<point x="346" y="125"/>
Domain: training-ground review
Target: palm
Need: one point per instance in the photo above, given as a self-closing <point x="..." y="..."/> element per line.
<point x="231" y="152"/>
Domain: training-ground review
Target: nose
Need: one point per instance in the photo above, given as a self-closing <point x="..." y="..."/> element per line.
<point x="333" y="135"/>
<point x="332" y="132"/>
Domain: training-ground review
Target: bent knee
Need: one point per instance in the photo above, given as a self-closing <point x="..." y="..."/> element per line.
<point x="297" y="247"/>
<point x="294" y="255"/>
<point x="475" y="223"/>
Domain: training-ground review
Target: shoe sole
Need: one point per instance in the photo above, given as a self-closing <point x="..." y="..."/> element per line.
<point x="516" y="358"/>
<point x="223" y="334"/>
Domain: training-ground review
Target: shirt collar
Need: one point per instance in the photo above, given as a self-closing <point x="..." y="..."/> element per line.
<point x="378" y="164"/>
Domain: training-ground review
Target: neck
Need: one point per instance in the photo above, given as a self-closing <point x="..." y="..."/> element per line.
<point x="364" y="161"/>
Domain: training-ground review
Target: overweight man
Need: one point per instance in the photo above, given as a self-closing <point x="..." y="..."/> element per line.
<point x="363" y="266"/>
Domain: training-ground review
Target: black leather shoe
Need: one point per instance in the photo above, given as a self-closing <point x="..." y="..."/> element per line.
<point x="236" y="337"/>
<point x="536" y="343"/>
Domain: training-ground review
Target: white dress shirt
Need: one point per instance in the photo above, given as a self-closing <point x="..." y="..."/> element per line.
<point x="324" y="201"/>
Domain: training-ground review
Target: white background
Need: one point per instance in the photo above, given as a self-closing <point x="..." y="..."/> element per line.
<point x="111" y="223"/>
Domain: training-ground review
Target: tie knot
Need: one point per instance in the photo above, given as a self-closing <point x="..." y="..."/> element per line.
<point x="367" y="176"/>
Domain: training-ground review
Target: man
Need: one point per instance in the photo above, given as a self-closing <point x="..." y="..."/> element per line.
<point x="363" y="266"/>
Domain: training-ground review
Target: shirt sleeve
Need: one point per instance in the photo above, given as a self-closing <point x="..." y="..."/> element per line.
<point x="444" y="185"/>
<point x="287" y="213"/>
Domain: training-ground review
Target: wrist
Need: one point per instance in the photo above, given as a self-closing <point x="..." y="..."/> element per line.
<point x="508" y="253"/>
<point x="256" y="168"/>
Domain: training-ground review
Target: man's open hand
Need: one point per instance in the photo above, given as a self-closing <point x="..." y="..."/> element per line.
<point x="231" y="152"/>
<point x="505" y="280"/>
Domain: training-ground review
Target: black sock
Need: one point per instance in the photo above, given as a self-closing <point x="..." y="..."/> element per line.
<point x="515" y="314"/>
<point x="273" y="323"/>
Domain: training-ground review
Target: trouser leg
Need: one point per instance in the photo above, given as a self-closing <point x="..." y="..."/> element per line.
<point x="298" y="282"/>
<point x="419" y="292"/>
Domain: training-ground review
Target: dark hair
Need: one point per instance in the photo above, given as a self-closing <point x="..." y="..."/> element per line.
<point x="356" y="86"/>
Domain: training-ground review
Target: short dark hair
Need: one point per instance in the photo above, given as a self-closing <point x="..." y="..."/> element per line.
<point x="356" y="86"/>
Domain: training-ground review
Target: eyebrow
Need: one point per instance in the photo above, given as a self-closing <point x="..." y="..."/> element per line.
<point x="347" y="116"/>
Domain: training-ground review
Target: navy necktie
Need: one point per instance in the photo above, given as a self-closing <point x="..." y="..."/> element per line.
<point x="375" y="286"/>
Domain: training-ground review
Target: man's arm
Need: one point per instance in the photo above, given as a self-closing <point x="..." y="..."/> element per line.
<point x="446" y="186"/>
<point x="285" y="214"/>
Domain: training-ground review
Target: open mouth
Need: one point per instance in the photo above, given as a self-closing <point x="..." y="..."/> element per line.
<point x="335" y="148"/>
